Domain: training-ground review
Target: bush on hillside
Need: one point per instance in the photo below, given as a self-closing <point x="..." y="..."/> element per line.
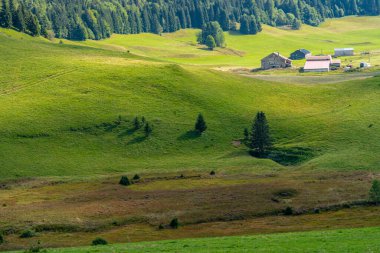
<point x="124" y="181"/>
<point x="210" y="42"/>
<point x="1" y="239"/>
<point x="99" y="241"/>
<point x="136" y="177"/>
<point x="36" y="248"/>
<point x="174" y="223"/>
<point x="212" y="173"/>
<point x="27" y="234"/>
<point x="288" y="211"/>
<point x="374" y="192"/>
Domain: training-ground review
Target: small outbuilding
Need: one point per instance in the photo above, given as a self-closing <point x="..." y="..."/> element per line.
<point x="300" y="54"/>
<point x="343" y="52"/>
<point x="275" y="60"/>
<point x="336" y="63"/>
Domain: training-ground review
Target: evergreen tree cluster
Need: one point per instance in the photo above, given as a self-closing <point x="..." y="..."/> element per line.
<point x="211" y="35"/>
<point x="98" y="19"/>
<point x="16" y="15"/>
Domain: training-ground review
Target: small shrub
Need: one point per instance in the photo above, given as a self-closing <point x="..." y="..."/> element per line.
<point x="35" y="248"/>
<point x="99" y="241"/>
<point x="160" y="227"/>
<point x="27" y="234"/>
<point x="317" y="211"/>
<point x="374" y="192"/>
<point x="136" y="177"/>
<point x="212" y="173"/>
<point x="124" y="181"/>
<point x="288" y="211"/>
<point x="60" y="42"/>
<point x="1" y="239"/>
<point x="174" y="223"/>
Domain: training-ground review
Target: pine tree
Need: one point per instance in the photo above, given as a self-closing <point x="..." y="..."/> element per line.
<point x="5" y="14"/>
<point x="260" y="139"/>
<point x="244" y="25"/>
<point x="210" y="42"/>
<point x="18" y="20"/>
<point x="148" y="129"/>
<point x="246" y="134"/>
<point x="200" y="125"/>
<point x="136" y="123"/>
<point x="124" y="181"/>
<point x="33" y="26"/>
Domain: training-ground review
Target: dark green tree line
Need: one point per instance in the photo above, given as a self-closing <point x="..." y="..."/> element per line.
<point x="98" y="19"/>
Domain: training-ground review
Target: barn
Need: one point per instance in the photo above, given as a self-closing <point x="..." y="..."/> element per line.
<point x="343" y="52"/>
<point x="275" y="60"/>
<point x="300" y="54"/>
<point x="318" y="63"/>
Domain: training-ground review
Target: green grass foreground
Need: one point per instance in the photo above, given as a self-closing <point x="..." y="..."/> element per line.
<point x="345" y="240"/>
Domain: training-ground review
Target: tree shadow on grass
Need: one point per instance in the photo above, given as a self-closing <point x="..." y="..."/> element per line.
<point x="189" y="135"/>
<point x="127" y="132"/>
<point x="137" y="140"/>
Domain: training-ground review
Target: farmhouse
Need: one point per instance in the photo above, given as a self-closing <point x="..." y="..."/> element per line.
<point x="343" y="52"/>
<point x="275" y="60"/>
<point x="318" y="63"/>
<point x="300" y="54"/>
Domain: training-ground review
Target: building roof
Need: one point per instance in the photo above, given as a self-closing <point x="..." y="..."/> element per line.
<point x="310" y="65"/>
<point x="335" y="61"/>
<point x="277" y="54"/>
<point x="304" y="51"/>
<point x="343" y="49"/>
<point x="319" y="58"/>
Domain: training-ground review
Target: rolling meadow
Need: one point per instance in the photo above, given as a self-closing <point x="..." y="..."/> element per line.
<point x="67" y="135"/>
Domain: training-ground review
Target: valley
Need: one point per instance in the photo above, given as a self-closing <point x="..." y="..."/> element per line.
<point x="67" y="135"/>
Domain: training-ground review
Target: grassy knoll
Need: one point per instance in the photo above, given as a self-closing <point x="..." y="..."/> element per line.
<point x="60" y="103"/>
<point x="362" y="33"/>
<point x="347" y="240"/>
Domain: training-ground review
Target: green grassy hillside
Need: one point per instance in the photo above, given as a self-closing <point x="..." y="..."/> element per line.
<point x="349" y="240"/>
<point x="361" y="33"/>
<point x="59" y="104"/>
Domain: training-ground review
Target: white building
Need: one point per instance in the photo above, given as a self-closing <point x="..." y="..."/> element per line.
<point x="343" y="52"/>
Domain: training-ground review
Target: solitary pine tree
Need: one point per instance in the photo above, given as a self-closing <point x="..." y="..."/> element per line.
<point x="210" y="42"/>
<point x="200" y="125"/>
<point x="374" y="192"/>
<point x="260" y="139"/>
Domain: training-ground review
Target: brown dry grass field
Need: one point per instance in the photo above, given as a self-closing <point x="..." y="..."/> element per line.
<point x="74" y="212"/>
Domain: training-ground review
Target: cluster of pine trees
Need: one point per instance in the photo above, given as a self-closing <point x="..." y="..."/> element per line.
<point x="17" y="16"/>
<point x="98" y="19"/>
